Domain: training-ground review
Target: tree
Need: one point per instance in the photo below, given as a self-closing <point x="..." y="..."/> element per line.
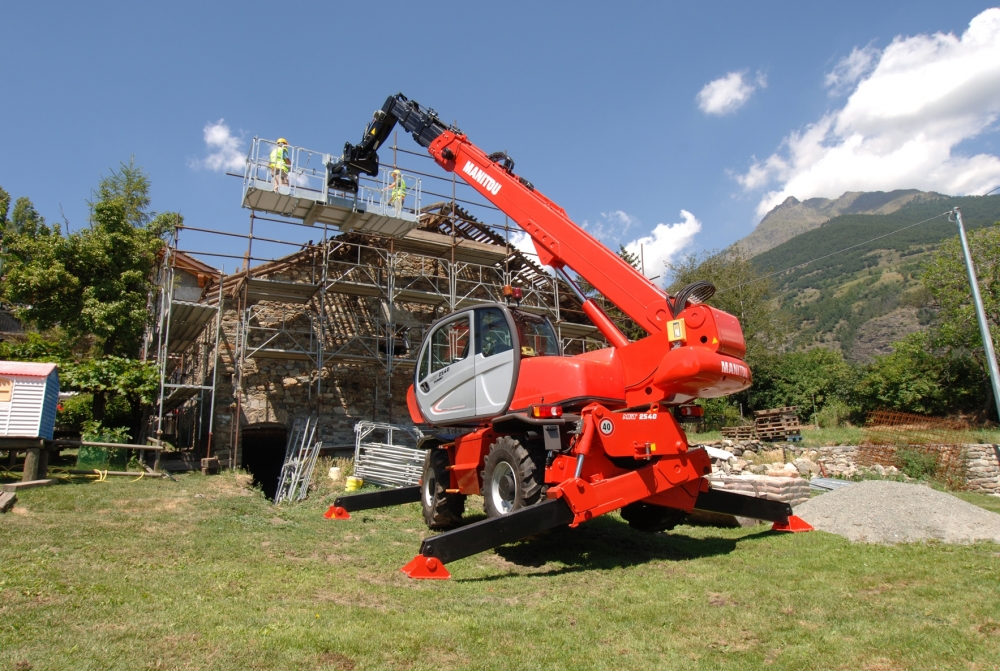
<point x="4" y="209"/>
<point x="743" y="291"/>
<point x="956" y="329"/>
<point x="818" y="375"/>
<point x="92" y="284"/>
<point x="917" y="377"/>
<point x="25" y="218"/>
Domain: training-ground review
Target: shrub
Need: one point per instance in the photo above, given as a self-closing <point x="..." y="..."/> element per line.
<point x="916" y="464"/>
<point x="833" y="415"/>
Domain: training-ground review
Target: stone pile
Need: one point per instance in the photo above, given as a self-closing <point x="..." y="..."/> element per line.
<point x="982" y="462"/>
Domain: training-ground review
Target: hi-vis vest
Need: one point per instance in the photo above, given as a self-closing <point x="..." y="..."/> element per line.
<point x="278" y="157"/>
<point x="399" y="190"/>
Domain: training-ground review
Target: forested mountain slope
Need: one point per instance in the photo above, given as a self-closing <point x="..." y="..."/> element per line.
<point x="864" y="299"/>
<point x="794" y="217"/>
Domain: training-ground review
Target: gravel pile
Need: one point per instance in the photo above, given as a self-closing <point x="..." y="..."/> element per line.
<point x="881" y="511"/>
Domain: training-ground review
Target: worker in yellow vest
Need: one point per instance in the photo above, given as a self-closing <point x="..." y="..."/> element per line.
<point x="397" y="192"/>
<point x="280" y="163"/>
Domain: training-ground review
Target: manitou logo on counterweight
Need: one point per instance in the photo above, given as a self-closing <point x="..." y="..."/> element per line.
<point x="481" y="177"/>
<point x="734" y="369"/>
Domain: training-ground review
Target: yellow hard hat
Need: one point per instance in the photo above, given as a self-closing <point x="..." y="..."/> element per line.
<point x="282" y="140"/>
<point x="395" y="172"/>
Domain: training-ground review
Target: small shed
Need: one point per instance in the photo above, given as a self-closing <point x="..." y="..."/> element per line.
<point x="29" y="394"/>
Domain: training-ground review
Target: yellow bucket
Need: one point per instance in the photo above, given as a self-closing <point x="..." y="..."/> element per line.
<point x="354" y="484"/>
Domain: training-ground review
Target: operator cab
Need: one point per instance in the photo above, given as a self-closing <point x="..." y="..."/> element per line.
<point x="469" y="361"/>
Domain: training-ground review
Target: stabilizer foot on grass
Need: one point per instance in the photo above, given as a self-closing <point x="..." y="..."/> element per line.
<point x="795" y="524"/>
<point x="426" y="568"/>
<point x="337" y="513"/>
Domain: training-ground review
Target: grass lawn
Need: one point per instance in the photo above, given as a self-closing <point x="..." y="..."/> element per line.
<point x="204" y="573"/>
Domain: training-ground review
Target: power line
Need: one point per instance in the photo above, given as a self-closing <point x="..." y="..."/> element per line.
<point x="840" y="251"/>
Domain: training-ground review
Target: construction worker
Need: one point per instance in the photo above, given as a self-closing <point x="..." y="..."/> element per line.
<point x="397" y="192"/>
<point x="280" y="163"/>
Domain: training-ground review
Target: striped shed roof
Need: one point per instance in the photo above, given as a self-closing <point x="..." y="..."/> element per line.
<point x="26" y="368"/>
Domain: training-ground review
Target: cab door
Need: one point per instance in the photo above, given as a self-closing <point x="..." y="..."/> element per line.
<point x="446" y="372"/>
<point x="495" y="361"/>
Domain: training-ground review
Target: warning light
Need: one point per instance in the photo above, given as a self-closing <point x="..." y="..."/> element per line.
<point x="517" y="293"/>
<point x="508" y="291"/>
<point x="676" y="331"/>
<point x="546" y="411"/>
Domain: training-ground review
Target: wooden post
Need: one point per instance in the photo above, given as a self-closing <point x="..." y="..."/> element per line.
<point x="43" y="464"/>
<point x="32" y="457"/>
<point x="11" y="458"/>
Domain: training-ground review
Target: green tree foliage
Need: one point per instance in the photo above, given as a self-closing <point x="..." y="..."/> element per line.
<point x="743" y="291"/>
<point x="4" y="209"/>
<point x="799" y="379"/>
<point x="26" y="219"/>
<point x="92" y="285"/>
<point x="947" y="281"/>
<point x="918" y="377"/>
<point x="92" y="282"/>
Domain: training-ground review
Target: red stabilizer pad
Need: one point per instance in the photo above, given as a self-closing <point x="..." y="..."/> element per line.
<point x="795" y="524"/>
<point x="337" y="513"/>
<point x="426" y="568"/>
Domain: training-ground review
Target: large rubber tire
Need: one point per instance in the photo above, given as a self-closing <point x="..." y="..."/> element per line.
<point x="645" y="517"/>
<point x="441" y="509"/>
<point x="512" y="478"/>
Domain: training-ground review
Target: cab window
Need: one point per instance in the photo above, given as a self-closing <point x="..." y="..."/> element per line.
<point x="450" y="343"/>
<point x="536" y="336"/>
<point x="424" y="366"/>
<point x="492" y="332"/>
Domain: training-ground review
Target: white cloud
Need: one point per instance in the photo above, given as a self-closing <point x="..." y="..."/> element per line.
<point x="728" y="94"/>
<point x="850" y="69"/>
<point x="664" y="243"/>
<point x="901" y="125"/>
<point x="225" y="151"/>
<point x="655" y="249"/>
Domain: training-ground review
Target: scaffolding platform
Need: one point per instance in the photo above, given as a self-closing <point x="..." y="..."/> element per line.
<point x="186" y="323"/>
<point x="178" y="394"/>
<point x="307" y="196"/>
<point x="259" y="289"/>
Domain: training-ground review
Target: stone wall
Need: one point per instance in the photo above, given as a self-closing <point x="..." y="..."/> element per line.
<point x="756" y="457"/>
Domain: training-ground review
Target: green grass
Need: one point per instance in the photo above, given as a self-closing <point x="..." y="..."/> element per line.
<point x="203" y="573"/>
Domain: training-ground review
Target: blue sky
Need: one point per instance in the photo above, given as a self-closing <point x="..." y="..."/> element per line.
<point x="604" y="106"/>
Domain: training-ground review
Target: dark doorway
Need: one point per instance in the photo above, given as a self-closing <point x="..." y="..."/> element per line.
<point x="264" y="454"/>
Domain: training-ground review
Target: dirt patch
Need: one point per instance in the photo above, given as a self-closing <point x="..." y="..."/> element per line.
<point x="335" y="660"/>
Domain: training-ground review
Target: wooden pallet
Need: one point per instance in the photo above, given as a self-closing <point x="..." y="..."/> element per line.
<point x="788" y="410"/>
<point x="739" y="432"/>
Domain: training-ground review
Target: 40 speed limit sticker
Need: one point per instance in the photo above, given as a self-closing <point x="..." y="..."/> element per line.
<point x="607" y="427"/>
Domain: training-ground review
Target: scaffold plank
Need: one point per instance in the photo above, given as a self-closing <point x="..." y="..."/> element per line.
<point x="187" y="321"/>
<point x="285" y="354"/>
<point x="259" y="289"/>
<point x="179" y="395"/>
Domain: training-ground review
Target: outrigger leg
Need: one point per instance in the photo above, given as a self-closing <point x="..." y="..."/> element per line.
<point x="343" y="506"/>
<point x="439" y="550"/>
<point x="741" y="505"/>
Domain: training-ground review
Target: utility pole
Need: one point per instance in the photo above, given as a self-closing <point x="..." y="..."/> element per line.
<point x="977" y="299"/>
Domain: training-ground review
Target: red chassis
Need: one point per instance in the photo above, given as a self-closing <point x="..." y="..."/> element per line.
<point x="619" y="445"/>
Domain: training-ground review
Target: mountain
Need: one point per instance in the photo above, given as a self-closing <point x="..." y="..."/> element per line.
<point x="864" y="299"/>
<point x="794" y="217"/>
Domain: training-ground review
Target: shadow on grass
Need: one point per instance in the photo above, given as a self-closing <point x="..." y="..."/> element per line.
<point x="606" y="543"/>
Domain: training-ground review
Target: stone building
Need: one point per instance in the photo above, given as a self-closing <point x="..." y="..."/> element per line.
<point x="332" y="331"/>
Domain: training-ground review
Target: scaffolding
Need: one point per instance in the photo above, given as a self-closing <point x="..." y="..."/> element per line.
<point x="364" y="293"/>
<point x="185" y="351"/>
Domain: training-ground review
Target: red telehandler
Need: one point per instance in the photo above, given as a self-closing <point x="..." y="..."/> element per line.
<point x="551" y="440"/>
